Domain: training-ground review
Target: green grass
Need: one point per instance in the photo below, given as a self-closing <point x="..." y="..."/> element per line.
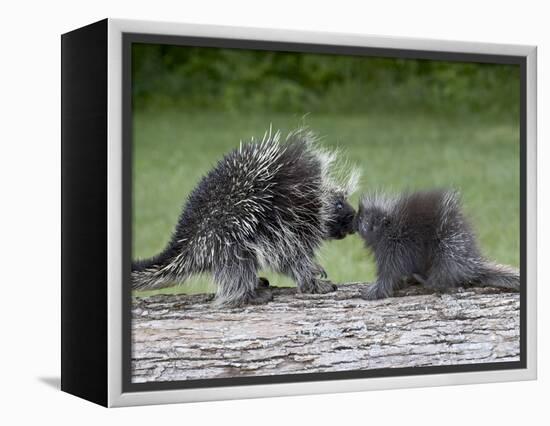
<point x="173" y="150"/>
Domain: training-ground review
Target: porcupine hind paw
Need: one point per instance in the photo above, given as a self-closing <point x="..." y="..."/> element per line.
<point x="263" y="282"/>
<point x="261" y="296"/>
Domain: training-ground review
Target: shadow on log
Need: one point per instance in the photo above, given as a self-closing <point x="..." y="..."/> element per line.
<point x="180" y="337"/>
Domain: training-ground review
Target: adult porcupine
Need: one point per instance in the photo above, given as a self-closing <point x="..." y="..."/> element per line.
<point x="267" y="204"/>
<point x="424" y="236"/>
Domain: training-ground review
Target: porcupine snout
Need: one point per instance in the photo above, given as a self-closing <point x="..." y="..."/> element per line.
<point x="349" y="223"/>
<point x="343" y="221"/>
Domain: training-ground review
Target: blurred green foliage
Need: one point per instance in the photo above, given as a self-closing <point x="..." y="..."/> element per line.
<point x="192" y="78"/>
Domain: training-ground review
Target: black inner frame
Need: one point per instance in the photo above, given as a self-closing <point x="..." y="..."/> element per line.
<point x="127" y="150"/>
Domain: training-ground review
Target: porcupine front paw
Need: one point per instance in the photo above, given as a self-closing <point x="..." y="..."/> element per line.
<point x="321" y="273"/>
<point x="319" y="287"/>
<point x="372" y="292"/>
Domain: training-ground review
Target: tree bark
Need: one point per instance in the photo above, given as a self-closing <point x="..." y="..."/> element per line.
<point x="181" y="337"/>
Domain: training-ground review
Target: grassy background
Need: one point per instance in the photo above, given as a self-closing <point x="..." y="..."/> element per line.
<point x="467" y="139"/>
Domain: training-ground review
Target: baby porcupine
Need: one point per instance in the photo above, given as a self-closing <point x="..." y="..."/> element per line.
<point x="268" y="204"/>
<point x="424" y="236"/>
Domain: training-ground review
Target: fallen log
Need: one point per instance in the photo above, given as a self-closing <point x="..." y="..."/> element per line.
<point x="180" y="337"/>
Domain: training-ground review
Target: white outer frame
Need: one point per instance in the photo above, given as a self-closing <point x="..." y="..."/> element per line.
<point x="115" y="395"/>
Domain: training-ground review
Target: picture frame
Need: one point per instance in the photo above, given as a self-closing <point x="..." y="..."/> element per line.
<point x="97" y="206"/>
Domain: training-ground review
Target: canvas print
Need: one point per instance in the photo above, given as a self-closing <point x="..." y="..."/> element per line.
<point x="297" y="214"/>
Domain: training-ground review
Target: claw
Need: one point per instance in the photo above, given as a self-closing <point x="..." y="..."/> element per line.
<point x="322" y="273"/>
